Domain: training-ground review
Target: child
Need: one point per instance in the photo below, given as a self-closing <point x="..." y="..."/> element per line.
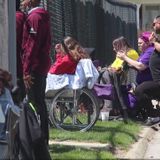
<point x="5" y="101"/>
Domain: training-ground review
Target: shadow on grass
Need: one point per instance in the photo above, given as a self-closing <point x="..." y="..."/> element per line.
<point x="112" y="132"/>
<point x="60" y="149"/>
<point x="103" y="132"/>
<point x="59" y="152"/>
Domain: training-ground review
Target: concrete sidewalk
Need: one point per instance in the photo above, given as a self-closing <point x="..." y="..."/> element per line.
<point x="139" y="148"/>
<point x="153" y="149"/>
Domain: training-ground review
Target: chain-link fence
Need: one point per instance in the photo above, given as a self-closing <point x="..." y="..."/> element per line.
<point x="94" y="23"/>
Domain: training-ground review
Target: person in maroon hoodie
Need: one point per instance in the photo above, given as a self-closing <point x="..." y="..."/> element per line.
<point x="20" y="19"/>
<point x="36" y="63"/>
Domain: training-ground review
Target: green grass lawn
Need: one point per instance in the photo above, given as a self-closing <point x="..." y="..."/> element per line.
<point x="116" y="133"/>
<point x="59" y="152"/>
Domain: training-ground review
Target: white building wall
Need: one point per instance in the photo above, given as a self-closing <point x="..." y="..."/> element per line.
<point x="149" y="12"/>
<point x="142" y="1"/>
<point x="146" y="11"/>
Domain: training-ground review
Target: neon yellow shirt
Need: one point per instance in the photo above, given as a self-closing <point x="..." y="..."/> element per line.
<point x="117" y="63"/>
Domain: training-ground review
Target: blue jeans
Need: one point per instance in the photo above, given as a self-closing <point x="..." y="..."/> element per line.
<point x="6" y="102"/>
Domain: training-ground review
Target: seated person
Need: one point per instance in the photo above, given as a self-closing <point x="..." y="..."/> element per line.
<point x="142" y="64"/>
<point x="62" y="58"/>
<point x="151" y="89"/>
<point x="121" y="44"/>
<point x="73" y="67"/>
<point x="68" y="54"/>
<point x="113" y="73"/>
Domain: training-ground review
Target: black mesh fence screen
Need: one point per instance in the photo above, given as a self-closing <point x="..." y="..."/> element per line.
<point x="94" y="23"/>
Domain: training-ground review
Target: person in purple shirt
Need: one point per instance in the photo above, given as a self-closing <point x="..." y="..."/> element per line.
<point x="142" y="64"/>
<point x="149" y="90"/>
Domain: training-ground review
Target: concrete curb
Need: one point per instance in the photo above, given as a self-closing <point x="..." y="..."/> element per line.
<point x="138" y="149"/>
<point x="86" y="145"/>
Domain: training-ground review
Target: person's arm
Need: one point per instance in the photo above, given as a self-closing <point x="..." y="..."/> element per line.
<point x="153" y="41"/>
<point x="138" y="65"/>
<point x="116" y="65"/>
<point x="30" y="49"/>
<point x="157" y="46"/>
<point x="31" y="45"/>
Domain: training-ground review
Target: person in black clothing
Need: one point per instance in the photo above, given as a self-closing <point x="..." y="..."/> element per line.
<point x="18" y="92"/>
<point x="151" y="89"/>
<point x="36" y="45"/>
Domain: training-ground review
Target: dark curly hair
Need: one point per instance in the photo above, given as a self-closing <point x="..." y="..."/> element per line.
<point x="18" y="2"/>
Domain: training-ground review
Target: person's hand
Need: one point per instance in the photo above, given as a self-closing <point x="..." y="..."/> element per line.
<point x="121" y="54"/>
<point x="25" y="5"/>
<point x="28" y="81"/>
<point x="112" y="69"/>
<point x="99" y="68"/>
<point x="109" y="68"/>
<point x="152" y="38"/>
<point x="58" y="49"/>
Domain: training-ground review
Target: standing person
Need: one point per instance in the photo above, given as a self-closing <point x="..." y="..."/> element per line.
<point x="151" y="89"/>
<point x="36" y="63"/>
<point x="20" y="19"/>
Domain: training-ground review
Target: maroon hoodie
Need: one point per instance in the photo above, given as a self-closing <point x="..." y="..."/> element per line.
<point x="36" y="42"/>
<point x="20" y="18"/>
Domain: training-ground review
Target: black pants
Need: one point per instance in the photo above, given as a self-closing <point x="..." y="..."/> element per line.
<point x="144" y="93"/>
<point x="115" y="79"/>
<point x="36" y="95"/>
<point x="117" y="84"/>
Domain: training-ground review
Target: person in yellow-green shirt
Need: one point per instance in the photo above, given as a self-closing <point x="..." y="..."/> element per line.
<point x="113" y="74"/>
<point x="118" y="63"/>
<point x="121" y="44"/>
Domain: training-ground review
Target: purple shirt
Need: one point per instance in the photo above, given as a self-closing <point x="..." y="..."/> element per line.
<point x="144" y="57"/>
